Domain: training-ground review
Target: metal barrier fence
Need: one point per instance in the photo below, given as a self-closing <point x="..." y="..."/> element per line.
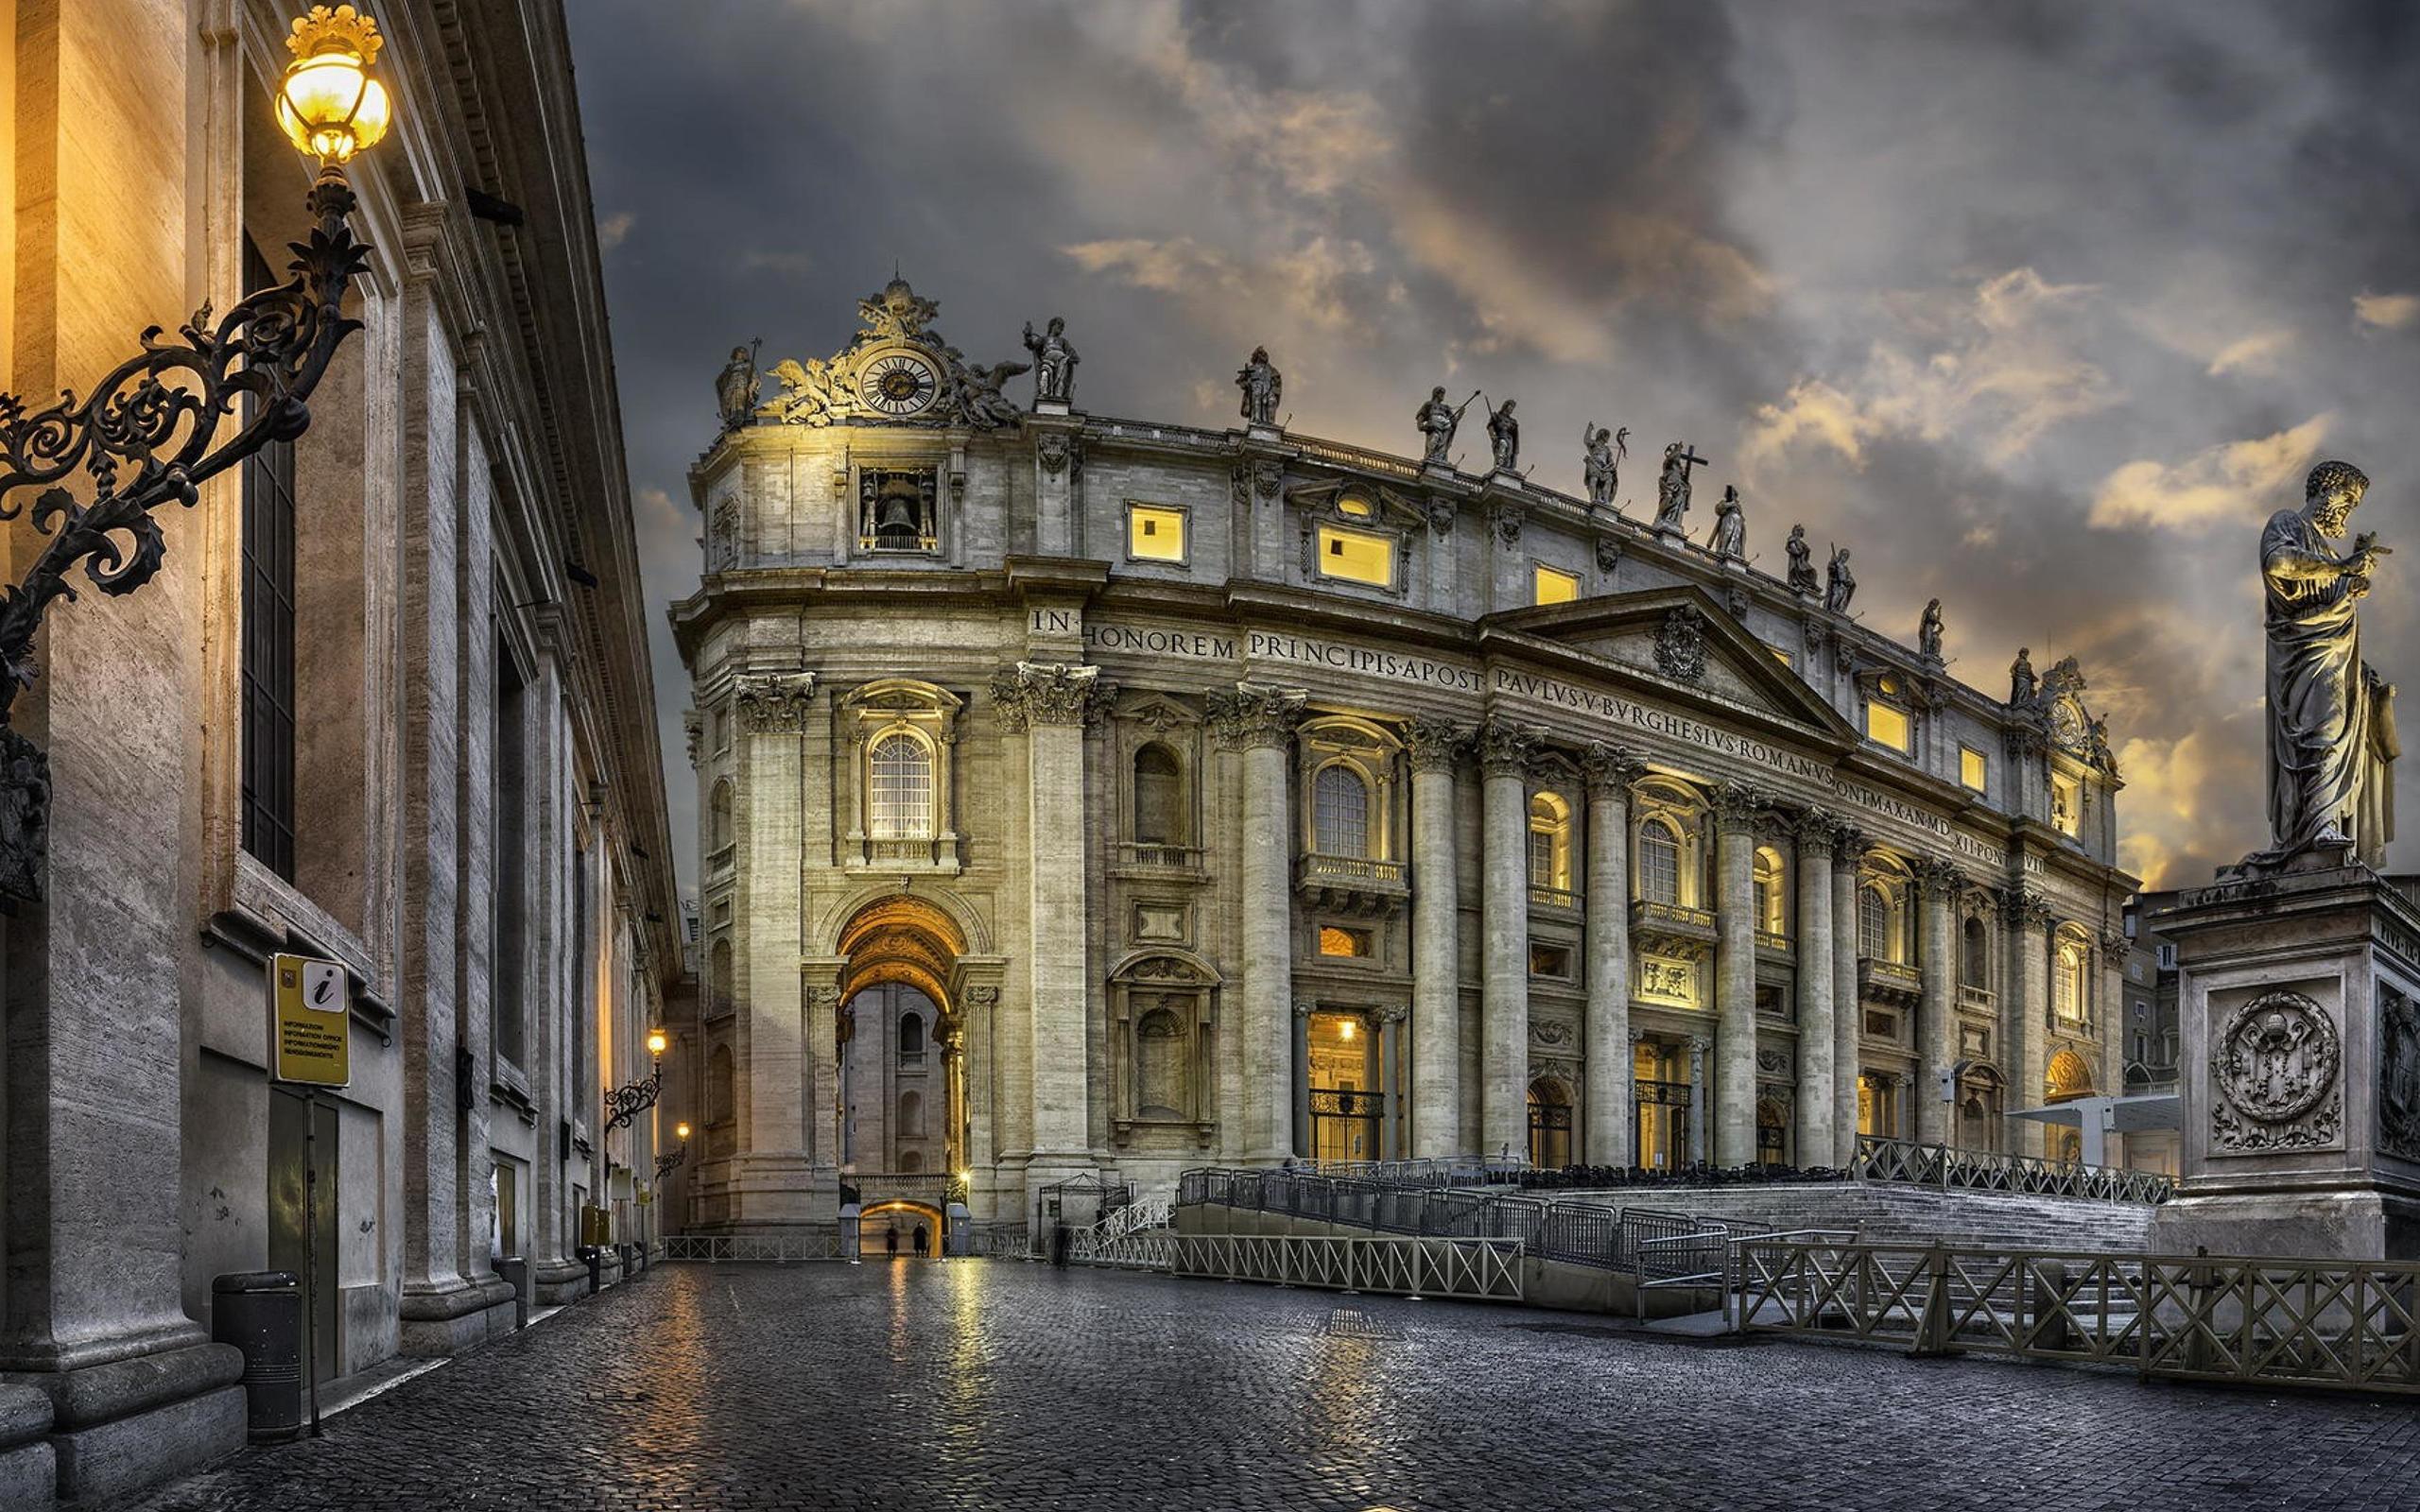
<point x="1147" y="1249"/>
<point x="1950" y="1168"/>
<point x="1471" y="1269"/>
<point x="2198" y="1318"/>
<point x="715" y="1249"/>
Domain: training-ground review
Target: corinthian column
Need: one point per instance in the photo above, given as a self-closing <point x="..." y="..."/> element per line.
<point x="1848" y="1012"/>
<point x="1735" y="975"/>
<point x="1608" y="772"/>
<point x="1505" y="750"/>
<point x="2025" y="1012"/>
<point x="1049" y="704"/>
<point x="1437" y="749"/>
<point x="1259" y="721"/>
<point x="1937" y="1027"/>
<point x="1818" y="1047"/>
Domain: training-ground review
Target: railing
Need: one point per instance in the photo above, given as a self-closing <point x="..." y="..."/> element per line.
<point x="921" y="851"/>
<point x="1316" y="869"/>
<point x="1156" y="1212"/>
<point x="717" y="1249"/>
<point x="2198" y="1318"/>
<point x="1672" y="919"/>
<point x="915" y="1186"/>
<point x="999" y="1241"/>
<point x="1707" y="1259"/>
<point x="1147" y="856"/>
<point x="1889" y="980"/>
<point x="1434" y="1171"/>
<point x="1149" y="1250"/>
<point x="1343" y="1102"/>
<point x="1355" y="456"/>
<point x="1953" y="1169"/>
<point x="1472" y="1269"/>
<point x="1767" y="940"/>
<point x="1542" y="896"/>
<point x="1978" y="998"/>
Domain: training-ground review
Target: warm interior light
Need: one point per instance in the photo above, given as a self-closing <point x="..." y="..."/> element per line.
<point x="681" y="1130"/>
<point x="329" y="104"/>
<point x="656" y="1041"/>
<point x="1344" y="1030"/>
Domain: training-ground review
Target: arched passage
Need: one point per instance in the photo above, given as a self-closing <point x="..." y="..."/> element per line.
<point x="902" y="1076"/>
<point x="887" y="1228"/>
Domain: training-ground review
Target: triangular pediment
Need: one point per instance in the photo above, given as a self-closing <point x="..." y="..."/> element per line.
<point x="1676" y="642"/>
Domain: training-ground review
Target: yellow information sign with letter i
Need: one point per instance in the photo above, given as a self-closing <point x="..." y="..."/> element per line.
<point x="312" y="1022"/>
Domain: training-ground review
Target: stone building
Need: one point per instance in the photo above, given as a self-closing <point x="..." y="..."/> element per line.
<point x="1107" y="796"/>
<point x="387" y="704"/>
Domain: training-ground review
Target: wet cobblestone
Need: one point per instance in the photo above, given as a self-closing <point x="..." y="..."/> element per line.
<point x="979" y="1384"/>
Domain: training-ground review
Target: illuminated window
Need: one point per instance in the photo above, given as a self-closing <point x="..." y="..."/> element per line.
<point x="900" y="779"/>
<point x="1886" y="725"/>
<point x="1874" y="922"/>
<point x="1354" y="944"/>
<point x="1340" y="813"/>
<point x="1770" y="891"/>
<point x="1355" y="506"/>
<point x="1783" y="657"/>
<point x="1659" y="863"/>
<point x="1549" y="842"/>
<point x="1356" y="556"/>
<point x="1154" y="533"/>
<point x="2065" y="805"/>
<point x="1974" y="769"/>
<point x="2068" y="992"/>
<point x="1549" y="960"/>
<point x="1551" y="587"/>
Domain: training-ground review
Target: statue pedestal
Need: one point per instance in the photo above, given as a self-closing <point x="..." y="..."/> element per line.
<point x="1671" y="533"/>
<point x="2299" y="1005"/>
<point x="1049" y="406"/>
<point x="1442" y="472"/>
<point x="1264" y="433"/>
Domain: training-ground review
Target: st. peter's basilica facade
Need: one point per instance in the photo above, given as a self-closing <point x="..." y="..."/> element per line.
<point x="1091" y="796"/>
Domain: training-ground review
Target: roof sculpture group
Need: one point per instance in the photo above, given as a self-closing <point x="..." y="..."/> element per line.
<point x="898" y="370"/>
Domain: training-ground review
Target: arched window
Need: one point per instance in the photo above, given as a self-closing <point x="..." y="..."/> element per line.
<point x="1159" y="797"/>
<point x="1659" y="863"/>
<point x="1549" y="842"/>
<point x="911" y="1161"/>
<point x="900" y="776"/>
<point x="911" y="1116"/>
<point x="718" y="830"/>
<point x="1159" y="1066"/>
<point x="719" y="981"/>
<point x="911" y="1040"/>
<point x="1549" y="1125"/>
<point x="1341" y="812"/>
<point x="1974" y="953"/>
<point x="1772" y="914"/>
<point x="721" y="1101"/>
<point x="2066" y="1077"/>
<point x="1873" y="922"/>
<point x="2068" y="986"/>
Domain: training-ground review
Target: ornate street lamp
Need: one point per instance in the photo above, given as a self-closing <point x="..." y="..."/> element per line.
<point x="626" y="1103"/>
<point x="147" y="434"/>
<point x="667" y="1164"/>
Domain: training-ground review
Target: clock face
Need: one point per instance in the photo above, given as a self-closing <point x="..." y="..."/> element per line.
<point x="897" y="383"/>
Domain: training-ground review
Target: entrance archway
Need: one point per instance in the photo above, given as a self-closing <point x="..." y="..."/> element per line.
<point x="889" y="1229"/>
<point x="901" y="1115"/>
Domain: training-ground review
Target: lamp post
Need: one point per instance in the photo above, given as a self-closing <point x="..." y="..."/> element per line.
<point x="148" y="432"/>
<point x="624" y="1104"/>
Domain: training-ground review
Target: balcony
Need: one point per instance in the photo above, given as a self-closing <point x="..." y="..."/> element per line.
<point x="1559" y="900"/>
<point x="1976" y="999"/>
<point x="927" y="852"/>
<point x="1687" y="934"/>
<point x="1157" y="862"/>
<point x="1888" y="982"/>
<point x="1352" y="884"/>
<point x="1772" y="944"/>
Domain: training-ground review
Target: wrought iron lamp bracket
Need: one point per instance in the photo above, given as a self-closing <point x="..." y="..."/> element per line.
<point x="624" y="1104"/>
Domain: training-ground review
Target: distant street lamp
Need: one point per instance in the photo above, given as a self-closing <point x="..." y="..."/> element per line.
<point x="145" y="432"/>
<point x="666" y="1164"/>
<point x="624" y="1104"/>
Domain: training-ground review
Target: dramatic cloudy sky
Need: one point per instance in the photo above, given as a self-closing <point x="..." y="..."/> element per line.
<point x="2042" y="307"/>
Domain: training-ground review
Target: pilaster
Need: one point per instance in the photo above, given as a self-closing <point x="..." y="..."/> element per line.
<point x="1258" y="722"/>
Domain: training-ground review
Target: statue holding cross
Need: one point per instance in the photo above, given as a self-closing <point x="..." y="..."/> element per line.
<point x="1672" y="490"/>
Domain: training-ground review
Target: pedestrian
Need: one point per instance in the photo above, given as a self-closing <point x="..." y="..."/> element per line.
<point x="924" y="1243"/>
<point x="890" y="1240"/>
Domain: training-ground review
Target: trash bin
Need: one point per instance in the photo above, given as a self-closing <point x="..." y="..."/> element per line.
<point x="515" y="1269"/>
<point x="260" y="1313"/>
<point x="594" y="1256"/>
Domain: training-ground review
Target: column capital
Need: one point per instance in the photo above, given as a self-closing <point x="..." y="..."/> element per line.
<point x="2114" y="941"/>
<point x="1699" y="1045"/>
<point x="1817" y="832"/>
<point x="1396" y="1014"/>
<point x="1436" y="745"/>
<point x="775" y="703"/>
<point x="1736" y="806"/>
<point x="1305" y="1008"/>
<point x="1609" y="769"/>
<point x="1050" y="693"/>
<point x="2024" y="908"/>
<point x="1848" y="847"/>
<point x="1505" y="748"/>
<point x="1254" y="714"/>
<point x="1941" y="880"/>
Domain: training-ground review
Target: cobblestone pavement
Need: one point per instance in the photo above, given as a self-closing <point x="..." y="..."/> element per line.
<point x="988" y="1384"/>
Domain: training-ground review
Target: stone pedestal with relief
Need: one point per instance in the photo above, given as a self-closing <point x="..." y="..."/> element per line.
<point x="2299" y="1006"/>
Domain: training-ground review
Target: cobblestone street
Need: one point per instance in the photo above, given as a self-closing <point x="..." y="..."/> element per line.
<point x="978" y="1385"/>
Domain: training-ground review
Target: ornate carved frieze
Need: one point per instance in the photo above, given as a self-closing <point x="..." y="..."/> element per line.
<point x="1550" y="1031"/>
<point x="1050" y="693"/>
<point x="775" y="703"/>
<point x="1773" y="1061"/>
<point x="1505" y="748"/>
<point x="2398" y="1073"/>
<point x="1609" y="768"/>
<point x="1680" y="645"/>
<point x="2275" y="1066"/>
<point x="1435" y="745"/>
<point x="1253" y="714"/>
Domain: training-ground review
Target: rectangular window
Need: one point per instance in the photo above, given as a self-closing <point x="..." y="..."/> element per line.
<point x="1886" y="725"/>
<point x="1353" y="944"/>
<point x="2065" y="805"/>
<point x="1154" y="533"/>
<point x="1553" y="587"/>
<point x="1356" y="555"/>
<point x="1549" y="960"/>
<point x="1974" y="769"/>
<point x="267" y="652"/>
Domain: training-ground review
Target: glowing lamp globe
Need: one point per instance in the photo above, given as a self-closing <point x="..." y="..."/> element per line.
<point x="329" y="105"/>
<point x="656" y="1041"/>
<point x="681" y="1130"/>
